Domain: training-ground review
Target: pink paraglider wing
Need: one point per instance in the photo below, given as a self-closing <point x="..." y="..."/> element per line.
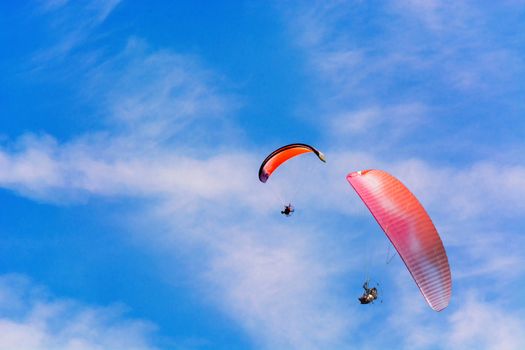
<point x="411" y="231"/>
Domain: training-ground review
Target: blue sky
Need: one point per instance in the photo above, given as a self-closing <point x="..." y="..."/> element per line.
<point x="131" y="134"/>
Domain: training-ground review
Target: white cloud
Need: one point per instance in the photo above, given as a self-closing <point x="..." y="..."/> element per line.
<point x="165" y="118"/>
<point x="158" y="95"/>
<point x="369" y="124"/>
<point x="438" y="16"/>
<point x="478" y="190"/>
<point x="480" y="325"/>
<point x="276" y="284"/>
<point x="32" y="320"/>
<point x="42" y="168"/>
<point x="257" y="270"/>
<point x="281" y="284"/>
<point x="71" y="25"/>
<point x="411" y="48"/>
<point x="53" y="4"/>
<point x="474" y="324"/>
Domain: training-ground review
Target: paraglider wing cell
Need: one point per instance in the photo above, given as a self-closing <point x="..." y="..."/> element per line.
<point x="411" y="231"/>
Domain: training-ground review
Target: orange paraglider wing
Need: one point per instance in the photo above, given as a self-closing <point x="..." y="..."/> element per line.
<point x="281" y="155"/>
<point x="411" y="231"/>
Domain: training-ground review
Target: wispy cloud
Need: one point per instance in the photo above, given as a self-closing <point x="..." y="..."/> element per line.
<point x="164" y="115"/>
<point x="253" y="276"/>
<point x="482" y="325"/>
<point x="447" y="58"/>
<point x="45" y="169"/>
<point x="476" y="323"/>
<point x="281" y="290"/>
<point x="31" y="319"/>
<point x="424" y="41"/>
<point x="159" y="95"/>
<point x="390" y="125"/>
<point x="71" y="24"/>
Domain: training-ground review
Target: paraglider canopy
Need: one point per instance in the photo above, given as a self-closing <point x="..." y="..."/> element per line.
<point x="281" y="155"/>
<point x="411" y="231"/>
